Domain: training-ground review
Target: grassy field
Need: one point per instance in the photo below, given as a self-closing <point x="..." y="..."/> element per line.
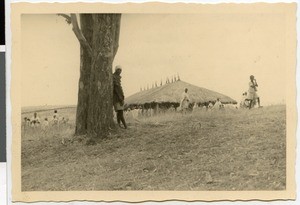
<point x="232" y="150"/>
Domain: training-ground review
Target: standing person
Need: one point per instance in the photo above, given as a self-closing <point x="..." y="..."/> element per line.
<point x="210" y="105"/>
<point x="218" y="104"/>
<point x="118" y="96"/>
<point x="252" y="92"/>
<point x="35" y="121"/>
<point x="45" y="124"/>
<point x="185" y="101"/>
<point x="55" y="117"/>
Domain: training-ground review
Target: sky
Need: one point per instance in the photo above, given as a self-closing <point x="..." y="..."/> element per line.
<point x="215" y="51"/>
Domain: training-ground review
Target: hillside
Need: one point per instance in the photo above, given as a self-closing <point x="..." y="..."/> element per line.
<point x="232" y="150"/>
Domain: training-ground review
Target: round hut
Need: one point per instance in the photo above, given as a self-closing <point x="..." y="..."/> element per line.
<point x="165" y="96"/>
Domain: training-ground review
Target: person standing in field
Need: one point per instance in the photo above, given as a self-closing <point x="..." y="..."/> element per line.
<point x="55" y="118"/>
<point x="45" y="124"/>
<point x="218" y="104"/>
<point x="118" y="96"/>
<point x="185" y="101"/>
<point x="210" y="105"/>
<point x="252" y="93"/>
<point x="35" y="121"/>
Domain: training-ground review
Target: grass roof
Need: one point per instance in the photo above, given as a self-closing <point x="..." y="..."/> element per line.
<point x="172" y="93"/>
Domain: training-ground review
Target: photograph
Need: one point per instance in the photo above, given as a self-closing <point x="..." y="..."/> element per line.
<point x="166" y="101"/>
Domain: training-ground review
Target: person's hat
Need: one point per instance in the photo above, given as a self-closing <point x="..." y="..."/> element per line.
<point x="118" y="67"/>
<point x="251" y="76"/>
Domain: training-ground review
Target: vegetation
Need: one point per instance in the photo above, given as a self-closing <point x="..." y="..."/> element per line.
<point x="217" y="150"/>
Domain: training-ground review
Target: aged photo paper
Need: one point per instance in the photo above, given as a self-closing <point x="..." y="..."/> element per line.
<point x="153" y="102"/>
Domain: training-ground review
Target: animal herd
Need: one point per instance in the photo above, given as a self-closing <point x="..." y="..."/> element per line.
<point x="136" y="111"/>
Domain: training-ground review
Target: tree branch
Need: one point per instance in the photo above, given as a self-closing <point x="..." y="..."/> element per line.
<point x="79" y="34"/>
<point x="67" y="18"/>
<point x="117" y="33"/>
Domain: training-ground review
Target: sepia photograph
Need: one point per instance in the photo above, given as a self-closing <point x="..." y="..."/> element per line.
<point x="117" y="101"/>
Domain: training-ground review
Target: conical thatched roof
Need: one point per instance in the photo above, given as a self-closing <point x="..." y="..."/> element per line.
<point x="172" y="92"/>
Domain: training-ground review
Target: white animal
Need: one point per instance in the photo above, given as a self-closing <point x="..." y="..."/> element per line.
<point x="196" y="108"/>
<point x="231" y="106"/>
<point x="134" y="113"/>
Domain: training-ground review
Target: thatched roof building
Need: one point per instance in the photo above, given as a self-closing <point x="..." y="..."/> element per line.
<point x="171" y="93"/>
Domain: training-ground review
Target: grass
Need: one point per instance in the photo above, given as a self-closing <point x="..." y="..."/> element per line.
<point x="233" y="150"/>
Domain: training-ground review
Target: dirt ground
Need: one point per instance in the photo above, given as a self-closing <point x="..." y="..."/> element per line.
<point x="206" y="150"/>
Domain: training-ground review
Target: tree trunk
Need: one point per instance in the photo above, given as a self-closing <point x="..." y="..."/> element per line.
<point x="105" y="44"/>
<point x="86" y="23"/>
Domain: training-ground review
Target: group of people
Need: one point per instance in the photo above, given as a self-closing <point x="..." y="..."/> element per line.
<point x="249" y="99"/>
<point x="36" y="122"/>
<point x="185" y="103"/>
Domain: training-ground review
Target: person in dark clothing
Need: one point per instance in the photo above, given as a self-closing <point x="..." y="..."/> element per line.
<point x="118" y="96"/>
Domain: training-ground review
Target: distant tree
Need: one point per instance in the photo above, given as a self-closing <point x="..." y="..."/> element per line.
<point x="99" y="42"/>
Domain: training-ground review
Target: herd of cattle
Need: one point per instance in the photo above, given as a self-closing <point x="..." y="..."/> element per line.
<point x="150" y="110"/>
<point x="135" y="111"/>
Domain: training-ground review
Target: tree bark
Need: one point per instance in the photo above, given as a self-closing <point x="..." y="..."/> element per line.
<point x="105" y="44"/>
<point x="80" y="36"/>
<point x="86" y="23"/>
